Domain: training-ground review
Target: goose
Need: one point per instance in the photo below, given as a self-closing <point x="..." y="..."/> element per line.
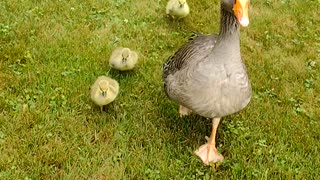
<point x="104" y="91"/>
<point x="207" y="76"/>
<point x="177" y="8"/>
<point x="123" y="59"/>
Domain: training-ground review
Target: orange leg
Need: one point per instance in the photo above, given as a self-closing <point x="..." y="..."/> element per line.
<point x="208" y="152"/>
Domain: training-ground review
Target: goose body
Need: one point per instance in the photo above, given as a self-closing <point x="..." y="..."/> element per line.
<point x="177" y="8"/>
<point x="104" y="91"/>
<point x="207" y="76"/>
<point x="212" y="82"/>
<point x="123" y="59"/>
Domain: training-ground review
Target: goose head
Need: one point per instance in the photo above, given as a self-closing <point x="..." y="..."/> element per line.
<point x="104" y="87"/>
<point x="239" y="8"/>
<point x="125" y="54"/>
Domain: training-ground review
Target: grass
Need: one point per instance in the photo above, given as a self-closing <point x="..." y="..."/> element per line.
<point x="52" y="51"/>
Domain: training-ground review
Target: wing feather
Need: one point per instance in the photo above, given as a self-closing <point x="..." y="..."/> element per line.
<point x="198" y="46"/>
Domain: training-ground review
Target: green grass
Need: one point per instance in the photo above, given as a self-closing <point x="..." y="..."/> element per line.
<point x="52" y="51"/>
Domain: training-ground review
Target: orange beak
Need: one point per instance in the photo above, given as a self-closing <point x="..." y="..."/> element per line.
<point x="241" y="11"/>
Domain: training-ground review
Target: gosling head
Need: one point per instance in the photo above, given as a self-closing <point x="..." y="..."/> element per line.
<point x="182" y="3"/>
<point x="104" y="87"/>
<point x="125" y="54"/>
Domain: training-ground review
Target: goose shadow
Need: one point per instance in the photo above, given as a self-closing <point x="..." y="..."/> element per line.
<point x="188" y="130"/>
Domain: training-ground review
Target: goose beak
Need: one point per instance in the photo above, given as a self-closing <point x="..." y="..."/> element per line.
<point x="104" y="93"/>
<point x="241" y="11"/>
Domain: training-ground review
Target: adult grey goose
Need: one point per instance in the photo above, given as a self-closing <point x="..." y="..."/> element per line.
<point x="207" y="76"/>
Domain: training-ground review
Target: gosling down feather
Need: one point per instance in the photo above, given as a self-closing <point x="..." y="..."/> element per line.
<point x="177" y="8"/>
<point x="207" y="76"/>
<point x="123" y="59"/>
<point x="104" y="91"/>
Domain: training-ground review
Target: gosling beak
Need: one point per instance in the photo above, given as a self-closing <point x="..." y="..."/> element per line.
<point x="181" y="5"/>
<point x="104" y="93"/>
<point x="124" y="60"/>
<point x="241" y="11"/>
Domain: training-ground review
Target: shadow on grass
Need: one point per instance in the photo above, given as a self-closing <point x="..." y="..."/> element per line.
<point x="116" y="74"/>
<point x="179" y="25"/>
<point x="191" y="129"/>
<point x="188" y="134"/>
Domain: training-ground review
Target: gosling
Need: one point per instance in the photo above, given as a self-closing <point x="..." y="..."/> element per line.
<point x="177" y="8"/>
<point x="104" y="91"/>
<point x="123" y="59"/>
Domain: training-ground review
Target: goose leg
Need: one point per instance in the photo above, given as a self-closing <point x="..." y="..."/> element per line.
<point x="101" y="109"/>
<point x="183" y="111"/>
<point x="208" y="152"/>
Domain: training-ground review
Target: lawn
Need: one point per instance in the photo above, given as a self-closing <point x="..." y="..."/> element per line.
<point x="52" y="51"/>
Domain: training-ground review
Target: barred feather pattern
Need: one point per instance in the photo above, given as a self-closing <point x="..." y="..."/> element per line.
<point x="187" y="52"/>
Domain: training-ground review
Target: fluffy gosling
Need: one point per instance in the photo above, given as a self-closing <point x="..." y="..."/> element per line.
<point x="177" y="8"/>
<point x="104" y="91"/>
<point x="123" y="59"/>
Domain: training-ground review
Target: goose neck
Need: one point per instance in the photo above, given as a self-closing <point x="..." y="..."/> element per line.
<point x="229" y="27"/>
